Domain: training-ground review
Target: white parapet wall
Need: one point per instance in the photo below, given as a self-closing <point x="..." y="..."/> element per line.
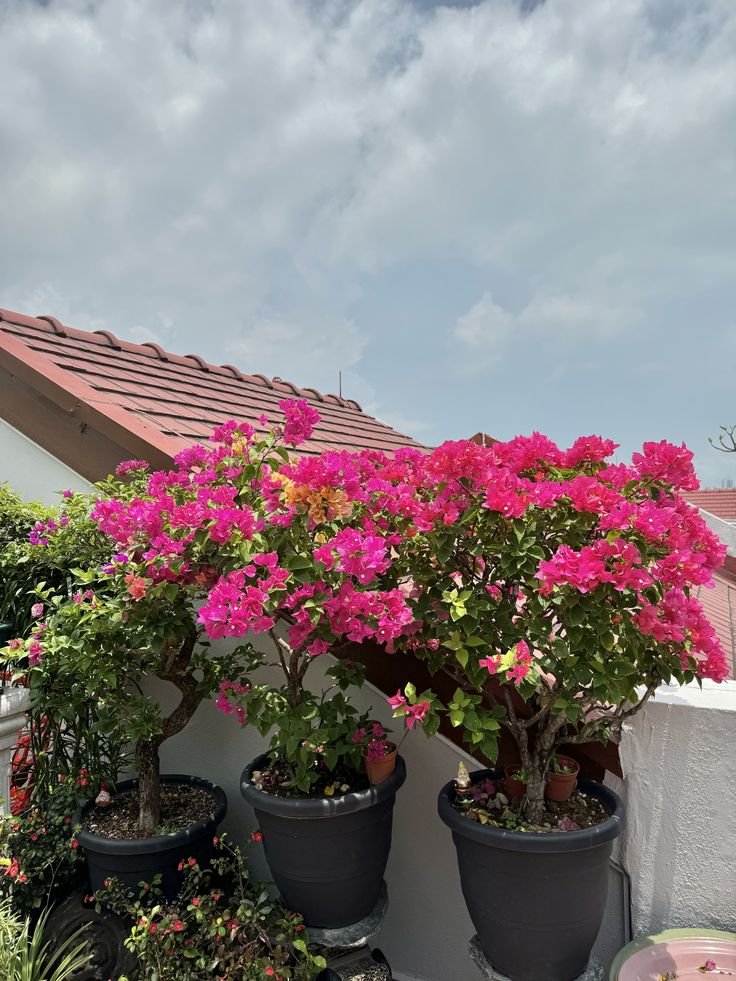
<point x="13" y="706"/>
<point x="679" y="762"/>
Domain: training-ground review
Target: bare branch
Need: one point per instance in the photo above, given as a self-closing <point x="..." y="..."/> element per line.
<point x="726" y="440"/>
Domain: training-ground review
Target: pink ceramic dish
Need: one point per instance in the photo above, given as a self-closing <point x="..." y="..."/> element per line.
<point x="678" y="955"/>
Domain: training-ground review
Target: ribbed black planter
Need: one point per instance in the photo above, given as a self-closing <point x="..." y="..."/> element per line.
<point x="327" y="855"/>
<point x="132" y="862"/>
<point x="536" y="900"/>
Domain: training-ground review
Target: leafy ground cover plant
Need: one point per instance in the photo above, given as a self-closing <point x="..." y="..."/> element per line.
<point x="67" y="537"/>
<point x="38" y="850"/>
<point x="223" y="924"/>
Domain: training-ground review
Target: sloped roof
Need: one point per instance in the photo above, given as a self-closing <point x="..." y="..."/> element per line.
<point x="720" y="501"/>
<point x="154" y="403"/>
<point x="719" y="605"/>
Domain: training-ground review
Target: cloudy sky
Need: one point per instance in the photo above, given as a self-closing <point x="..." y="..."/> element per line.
<point x="505" y="215"/>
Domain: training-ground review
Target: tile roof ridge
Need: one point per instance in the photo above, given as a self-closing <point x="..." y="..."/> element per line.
<point x="151" y="350"/>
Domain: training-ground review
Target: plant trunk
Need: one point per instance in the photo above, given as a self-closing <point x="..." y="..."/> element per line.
<point x="534" y="803"/>
<point x="149" y="787"/>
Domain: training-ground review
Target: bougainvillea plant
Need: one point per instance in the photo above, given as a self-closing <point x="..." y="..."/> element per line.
<point x="236" y="541"/>
<point x="556" y="587"/>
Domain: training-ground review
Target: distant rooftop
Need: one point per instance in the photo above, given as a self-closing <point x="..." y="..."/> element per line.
<point x="720" y="501"/>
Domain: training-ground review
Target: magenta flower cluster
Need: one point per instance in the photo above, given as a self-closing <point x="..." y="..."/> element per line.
<point x="229" y="519"/>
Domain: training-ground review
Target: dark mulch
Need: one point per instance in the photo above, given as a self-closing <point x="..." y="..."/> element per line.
<point x="276" y="779"/>
<point x="487" y="803"/>
<point x="181" y="808"/>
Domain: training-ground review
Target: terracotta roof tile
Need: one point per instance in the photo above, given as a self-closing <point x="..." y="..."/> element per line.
<point x="720" y="501"/>
<point x="180" y="397"/>
<point x="719" y="605"/>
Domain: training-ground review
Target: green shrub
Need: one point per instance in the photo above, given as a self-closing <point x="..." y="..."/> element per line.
<point x="222" y="924"/>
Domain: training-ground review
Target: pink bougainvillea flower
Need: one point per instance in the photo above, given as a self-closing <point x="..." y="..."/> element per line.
<point x="37" y="610"/>
<point x="130" y="466"/>
<point x="416" y="714"/>
<point x="490" y="663"/>
<point x="137" y="586"/>
<point x="35" y="652"/>
<point x="397" y="700"/>
<point x="301" y="419"/>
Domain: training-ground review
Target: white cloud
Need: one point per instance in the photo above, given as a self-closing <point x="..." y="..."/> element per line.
<point x="487" y="330"/>
<point x="177" y="169"/>
<point x="306" y="354"/>
<point x="485" y="327"/>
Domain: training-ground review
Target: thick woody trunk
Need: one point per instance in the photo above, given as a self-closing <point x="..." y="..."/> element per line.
<point x="536" y="751"/>
<point x="149" y="787"/>
<point x="534" y="803"/>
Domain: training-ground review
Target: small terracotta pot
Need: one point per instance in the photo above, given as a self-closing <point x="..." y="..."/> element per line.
<point x="560" y="786"/>
<point x="380" y="770"/>
<point x="515" y="788"/>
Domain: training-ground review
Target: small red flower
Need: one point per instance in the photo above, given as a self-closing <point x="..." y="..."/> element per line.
<point x="75" y="844"/>
<point x="177" y="926"/>
<point x="257" y="836"/>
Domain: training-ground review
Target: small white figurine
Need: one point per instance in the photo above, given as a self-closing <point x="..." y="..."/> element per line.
<point x="104" y="797"/>
<point x="463" y="777"/>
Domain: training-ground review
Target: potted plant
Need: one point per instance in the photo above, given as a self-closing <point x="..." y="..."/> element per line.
<point x="379" y="753"/>
<point x="555" y="587"/>
<point x="238" y="540"/>
<point x="561" y="778"/>
<point x="677" y="954"/>
<point x="306" y="577"/>
<point x="515" y="781"/>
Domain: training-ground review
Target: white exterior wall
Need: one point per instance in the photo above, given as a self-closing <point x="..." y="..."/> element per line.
<point x="32" y="471"/>
<point x="679" y="761"/>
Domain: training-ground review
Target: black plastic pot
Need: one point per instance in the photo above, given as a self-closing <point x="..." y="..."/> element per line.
<point x="139" y="860"/>
<point x="327" y="855"/>
<point x="536" y="900"/>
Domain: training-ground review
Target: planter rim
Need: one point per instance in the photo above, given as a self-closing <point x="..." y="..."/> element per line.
<point x="667" y="936"/>
<point x="156" y="843"/>
<point x="309" y="808"/>
<point x="524" y="841"/>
